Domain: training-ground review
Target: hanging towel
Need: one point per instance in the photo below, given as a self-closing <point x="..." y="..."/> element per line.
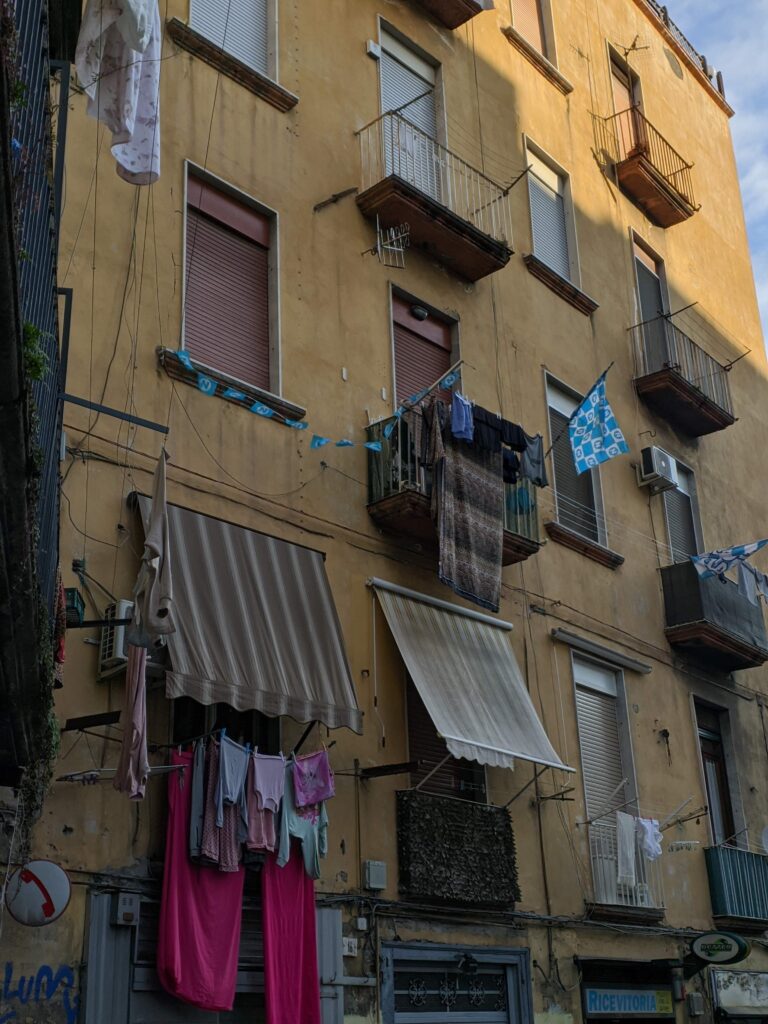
<point x="133" y="768"/>
<point x="313" y="779"/>
<point x="650" y="837"/>
<point x="625" y="849"/>
<point x="200" y="912"/>
<point x="153" y="591"/>
<point x="462" y="421"/>
<point x="487" y="430"/>
<point x="291" y="982"/>
<point x="118" y="63"/>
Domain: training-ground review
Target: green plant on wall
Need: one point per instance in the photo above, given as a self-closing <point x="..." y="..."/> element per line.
<point x="35" y="359"/>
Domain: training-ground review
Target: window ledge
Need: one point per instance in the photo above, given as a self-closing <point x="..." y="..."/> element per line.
<point x="570" y="539"/>
<point x="176" y="370"/>
<point x="624" y="914"/>
<point x="195" y="43"/>
<point x="565" y="289"/>
<point x="539" y="61"/>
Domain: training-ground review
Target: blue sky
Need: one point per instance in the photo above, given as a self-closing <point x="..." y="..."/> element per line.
<point x="734" y="37"/>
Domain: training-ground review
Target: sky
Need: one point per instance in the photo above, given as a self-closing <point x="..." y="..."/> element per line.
<point x="734" y="38"/>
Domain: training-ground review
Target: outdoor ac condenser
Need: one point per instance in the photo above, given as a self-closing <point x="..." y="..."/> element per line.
<point x="657" y="470"/>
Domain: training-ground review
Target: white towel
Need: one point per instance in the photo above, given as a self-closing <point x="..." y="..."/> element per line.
<point x="650" y="837"/>
<point x="625" y="849"/>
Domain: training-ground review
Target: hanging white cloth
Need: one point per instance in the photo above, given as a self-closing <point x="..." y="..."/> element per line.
<point x="118" y="64"/>
<point x="625" y="849"/>
<point x="650" y="837"/>
<point x="153" y="592"/>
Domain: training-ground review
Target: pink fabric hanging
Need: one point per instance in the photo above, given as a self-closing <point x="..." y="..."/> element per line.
<point x="313" y="780"/>
<point x="291" y="982"/>
<point x="200" y="912"/>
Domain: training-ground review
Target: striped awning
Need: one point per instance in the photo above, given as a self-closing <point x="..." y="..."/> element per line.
<point x="465" y="670"/>
<point x="256" y="624"/>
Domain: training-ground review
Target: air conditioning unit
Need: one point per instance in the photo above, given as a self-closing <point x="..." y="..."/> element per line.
<point x="657" y="470"/>
<point x="113" y="652"/>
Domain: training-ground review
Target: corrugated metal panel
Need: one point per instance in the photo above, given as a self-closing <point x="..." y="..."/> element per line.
<point x="246" y="23"/>
<point x="550" y="238"/>
<point x="226" y="314"/>
<point x="330" y="965"/>
<point x="574" y="493"/>
<point x="529" y="23"/>
<point x="601" y="765"/>
<point x="680" y="525"/>
<point x="418" y="362"/>
<point x="106" y="974"/>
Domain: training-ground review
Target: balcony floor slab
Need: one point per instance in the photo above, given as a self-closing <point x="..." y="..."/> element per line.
<point x="681" y="403"/>
<point x="650" y="190"/>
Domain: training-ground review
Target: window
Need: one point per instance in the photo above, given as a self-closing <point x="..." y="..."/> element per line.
<point x="708" y="721"/>
<point x="653" y="303"/>
<point x="454" y="777"/>
<point x="241" y="28"/>
<point x="408" y="86"/>
<point x="681" y="509"/>
<point x="551" y="217"/>
<point x="528" y="19"/>
<point x="422" y="347"/>
<point x="226" y="300"/>
<point x="192" y="719"/>
<point x="577" y="497"/>
<point x="625" y="86"/>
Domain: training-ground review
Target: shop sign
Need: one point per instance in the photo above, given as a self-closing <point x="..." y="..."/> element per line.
<point x="742" y="993"/>
<point x="628" y="1002"/>
<point x="721" y="948"/>
<point x="38" y="893"/>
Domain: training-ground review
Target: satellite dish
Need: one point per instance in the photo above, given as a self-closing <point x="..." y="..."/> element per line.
<point x="38" y="893"/>
<point x="764" y="838"/>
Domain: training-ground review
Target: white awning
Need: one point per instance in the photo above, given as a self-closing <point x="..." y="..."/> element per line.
<point x="466" y="673"/>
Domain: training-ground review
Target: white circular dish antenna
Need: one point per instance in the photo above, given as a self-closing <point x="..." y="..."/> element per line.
<point x="38" y="893"/>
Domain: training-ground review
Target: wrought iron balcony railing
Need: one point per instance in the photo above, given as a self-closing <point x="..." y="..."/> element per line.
<point x="646" y="894"/>
<point x="738" y="884"/>
<point x="636" y="135"/>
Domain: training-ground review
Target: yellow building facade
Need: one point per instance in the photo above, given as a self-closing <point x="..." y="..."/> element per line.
<point x="567" y="183"/>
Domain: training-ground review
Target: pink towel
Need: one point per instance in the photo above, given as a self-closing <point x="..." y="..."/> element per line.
<point x="291" y="982"/>
<point x="200" y="912"/>
<point x="133" y="769"/>
<point x="313" y="780"/>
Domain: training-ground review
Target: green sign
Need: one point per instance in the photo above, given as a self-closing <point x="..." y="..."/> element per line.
<point x="721" y="948"/>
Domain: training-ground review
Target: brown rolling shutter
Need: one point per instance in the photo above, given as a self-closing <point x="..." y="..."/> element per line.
<point x="226" y="312"/>
<point x="422" y="350"/>
<point x="457" y="778"/>
<point x="529" y="23"/>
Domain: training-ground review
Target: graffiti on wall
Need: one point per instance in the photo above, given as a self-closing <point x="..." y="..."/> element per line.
<point x="47" y="987"/>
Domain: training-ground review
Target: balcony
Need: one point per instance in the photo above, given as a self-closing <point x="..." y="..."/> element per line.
<point x="399" y="497"/>
<point x="653" y="174"/>
<point x="738" y="888"/>
<point x="456" y="214"/>
<point x="710" y="621"/>
<point x="643" y="901"/>
<point x="680" y="381"/>
<point x="455" y="851"/>
<point x="453" y="13"/>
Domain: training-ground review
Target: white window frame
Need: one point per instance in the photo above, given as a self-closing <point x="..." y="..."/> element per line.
<point x="565" y="400"/>
<point x="562" y="177"/>
<point x="732" y="775"/>
<point x="693" y="494"/>
<point x="272" y="69"/>
<point x="275" y="347"/>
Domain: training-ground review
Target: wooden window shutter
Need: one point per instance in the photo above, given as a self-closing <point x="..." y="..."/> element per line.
<point x="239" y="27"/>
<point x="457" y="778"/>
<point x="529" y="23"/>
<point x="226" y="308"/>
<point x="422" y="350"/>
<point x="574" y="493"/>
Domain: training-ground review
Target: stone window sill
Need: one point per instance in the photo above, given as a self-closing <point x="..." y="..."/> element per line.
<point x="260" y="85"/>
<point x="176" y="370"/>
<point x="570" y="539"/>
<point x="565" y="289"/>
<point x="539" y="61"/>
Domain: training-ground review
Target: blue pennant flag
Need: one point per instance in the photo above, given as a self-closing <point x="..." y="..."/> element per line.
<point x="344" y="443"/>
<point x="593" y="430"/>
<point x="297" y="424"/>
<point x="184" y="359"/>
<point x="262" y="410"/>
<point x="374" y="446"/>
<point x="717" y="563"/>
<point x="233" y="393"/>
<point x="206" y="385"/>
<point x="318" y="441"/>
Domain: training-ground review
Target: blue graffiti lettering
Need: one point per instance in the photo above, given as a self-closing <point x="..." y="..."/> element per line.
<point x="41" y="988"/>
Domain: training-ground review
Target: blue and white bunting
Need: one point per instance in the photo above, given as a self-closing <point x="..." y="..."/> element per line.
<point x="594" y="433"/>
<point x="206" y="385"/>
<point x="234" y="394"/>
<point x="717" y="563"/>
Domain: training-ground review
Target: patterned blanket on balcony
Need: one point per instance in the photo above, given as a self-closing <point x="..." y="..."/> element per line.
<point x="470" y="521"/>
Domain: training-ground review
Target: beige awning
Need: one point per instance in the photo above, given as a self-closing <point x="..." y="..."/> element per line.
<point x="465" y="670"/>
<point x="256" y="624"/>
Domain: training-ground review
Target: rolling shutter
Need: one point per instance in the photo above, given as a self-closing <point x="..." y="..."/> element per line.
<point x="652" y="305"/>
<point x="574" y="493"/>
<point x="681" y="525"/>
<point x="601" y="761"/>
<point x="246" y="23"/>
<point x="550" y="236"/>
<point x="226" y="310"/>
<point x="529" y="23"/>
<point x="418" y="362"/>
